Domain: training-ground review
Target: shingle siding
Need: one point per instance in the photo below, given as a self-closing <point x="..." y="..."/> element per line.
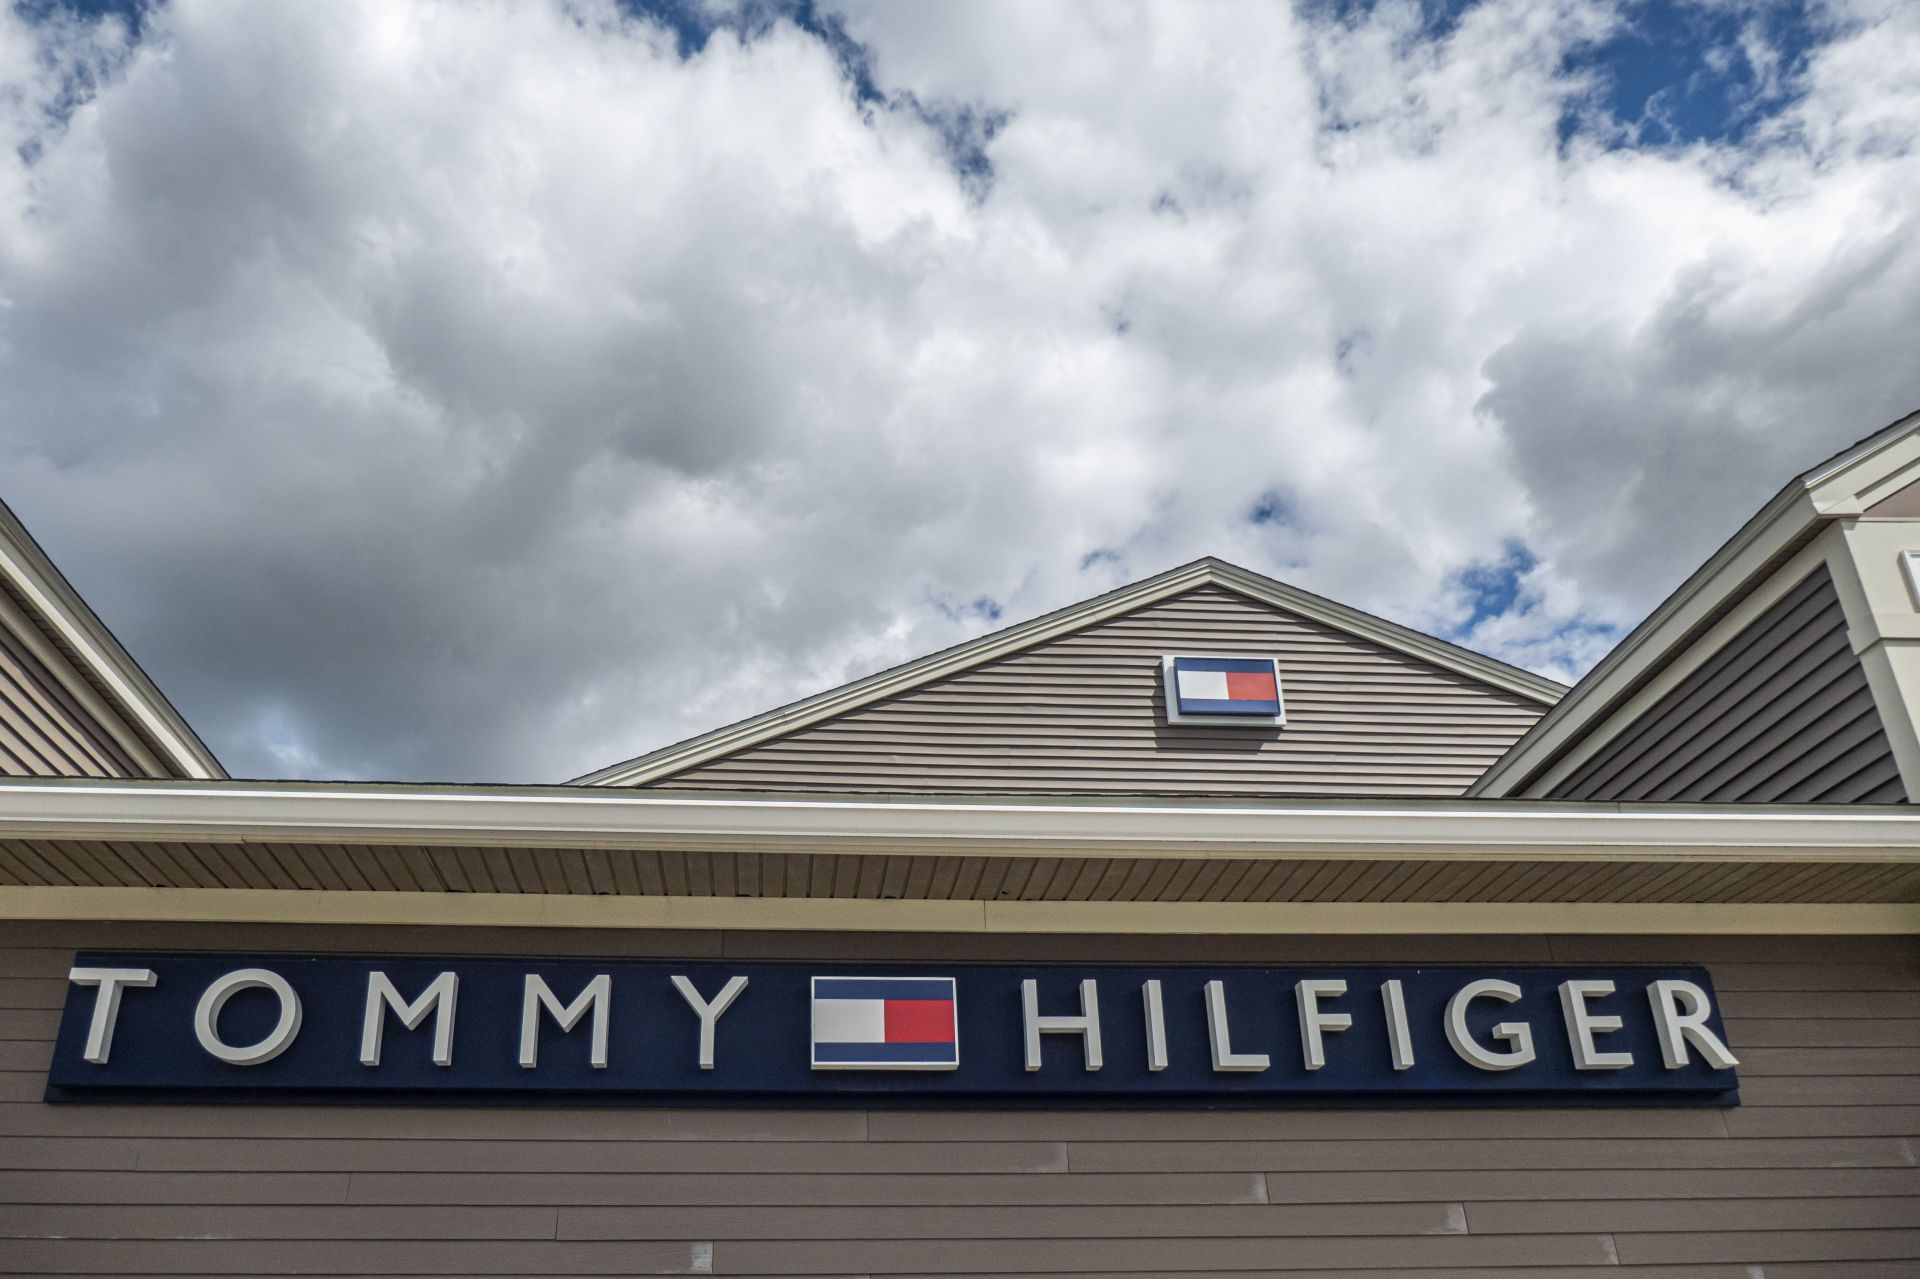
<point x="1085" y="713"/>
<point x="1781" y="714"/>
<point x="1814" y="1174"/>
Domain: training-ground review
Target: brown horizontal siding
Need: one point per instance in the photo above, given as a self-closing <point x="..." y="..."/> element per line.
<point x="1086" y="714"/>
<point x="590" y="871"/>
<point x="1781" y="713"/>
<point x="1816" y="1174"/>
<point x="44" y="731"/>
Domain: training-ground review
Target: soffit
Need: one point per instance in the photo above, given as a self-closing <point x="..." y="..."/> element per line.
<point x="1775" y="878"/>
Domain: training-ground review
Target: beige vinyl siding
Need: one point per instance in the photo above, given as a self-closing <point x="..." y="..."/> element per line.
<point x="1815" y="1175"/>
<point x="1085" y="713"/>
<point x="917" y="877"/>
<point x="1901" y="504"/>
<point x="44" y="731"/>
<point x="1781" y="714"/>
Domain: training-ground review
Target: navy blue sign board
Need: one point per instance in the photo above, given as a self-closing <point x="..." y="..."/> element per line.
<point x="423" y="1029"/>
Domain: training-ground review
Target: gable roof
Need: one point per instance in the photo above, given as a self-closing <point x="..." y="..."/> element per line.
<point x="41" y="608"/>
<point x="1848" y="484"/>
<point x="850" y="697"/>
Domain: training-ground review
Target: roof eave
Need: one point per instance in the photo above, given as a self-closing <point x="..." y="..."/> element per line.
<point x="585" y="818"/>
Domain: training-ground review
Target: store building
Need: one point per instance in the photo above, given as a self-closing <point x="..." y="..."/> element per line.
<point x="1205" y="928"/>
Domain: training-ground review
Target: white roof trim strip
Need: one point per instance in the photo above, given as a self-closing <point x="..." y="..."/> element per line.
<point x="262" y="812"/>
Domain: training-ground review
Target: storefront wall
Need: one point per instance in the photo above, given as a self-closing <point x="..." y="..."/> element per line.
<point x="1813" y="1174"/>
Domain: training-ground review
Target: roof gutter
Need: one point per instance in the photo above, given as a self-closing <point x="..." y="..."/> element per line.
<point x="555" y="817"/>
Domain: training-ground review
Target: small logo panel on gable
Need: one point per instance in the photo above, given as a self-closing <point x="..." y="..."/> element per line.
<point x="1223" y="690"/>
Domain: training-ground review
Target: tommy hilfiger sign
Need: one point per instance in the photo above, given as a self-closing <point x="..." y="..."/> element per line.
<point x="203" y="1027"/>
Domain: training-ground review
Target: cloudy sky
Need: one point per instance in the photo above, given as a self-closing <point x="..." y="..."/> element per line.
<point x="491" y="391"/>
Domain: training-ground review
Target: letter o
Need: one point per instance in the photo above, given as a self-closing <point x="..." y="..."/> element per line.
<point x="206" y="1017"/>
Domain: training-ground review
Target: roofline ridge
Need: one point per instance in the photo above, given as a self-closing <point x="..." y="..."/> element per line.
<point x="62" y="613"/>
<point x="1205" y="570"/>
<point x="1795" y="508"/>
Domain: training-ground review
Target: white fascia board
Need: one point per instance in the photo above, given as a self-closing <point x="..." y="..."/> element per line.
<point x="137" y="701"/>
<point x="1883" y="463"/>
<point x="477" y="817"/>
<point x="962" y="657"/>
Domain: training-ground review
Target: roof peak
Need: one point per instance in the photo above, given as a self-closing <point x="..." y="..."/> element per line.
<point x="1206" y="570"/>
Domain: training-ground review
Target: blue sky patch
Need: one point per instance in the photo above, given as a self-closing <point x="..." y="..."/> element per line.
<point x="1270" y="508"/>
<point x="980" y="609"/>
<point x="1700" y="72"/>
<point x="1492" y="589"/>
<point x="1676" y="71"/>
<point x="133" y="12"/>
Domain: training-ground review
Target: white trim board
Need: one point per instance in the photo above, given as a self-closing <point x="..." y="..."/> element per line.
<point x="556" y="817"/>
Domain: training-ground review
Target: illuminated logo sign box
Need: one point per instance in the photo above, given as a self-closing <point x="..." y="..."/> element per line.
<point x="1241" y="691"/>
<point x="199" y="1027"/>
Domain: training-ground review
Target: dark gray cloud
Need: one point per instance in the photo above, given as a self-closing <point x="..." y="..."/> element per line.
<point x="491" y="392"/>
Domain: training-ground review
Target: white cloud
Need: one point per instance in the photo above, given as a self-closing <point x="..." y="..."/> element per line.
<point x="483" y="390"/>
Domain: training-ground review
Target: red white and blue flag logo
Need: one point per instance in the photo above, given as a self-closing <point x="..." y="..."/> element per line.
<point x="1226" y="686"/>
<point x="884" y="1023"/>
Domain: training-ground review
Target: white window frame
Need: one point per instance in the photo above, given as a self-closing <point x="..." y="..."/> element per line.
<point x="1910" y="564"/>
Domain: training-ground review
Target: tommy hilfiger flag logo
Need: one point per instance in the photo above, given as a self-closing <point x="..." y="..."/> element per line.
<point x="1225" y="686"/>
<point x="884" y="1023"/>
